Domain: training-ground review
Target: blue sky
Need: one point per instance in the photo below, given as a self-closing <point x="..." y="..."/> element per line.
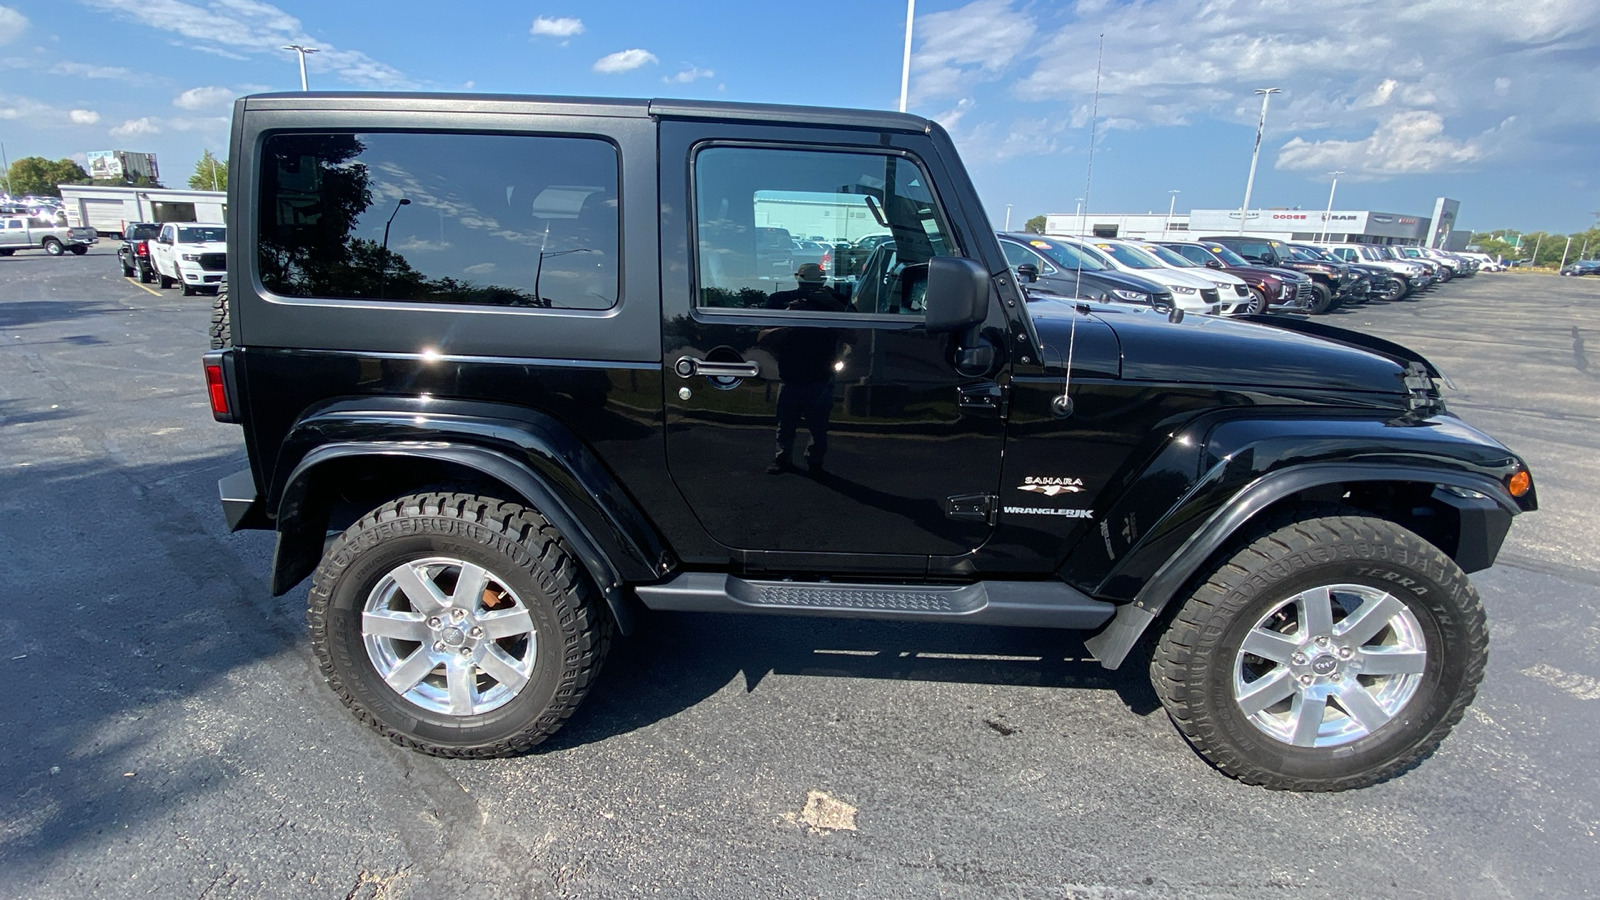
<point x="1494" y="103"/>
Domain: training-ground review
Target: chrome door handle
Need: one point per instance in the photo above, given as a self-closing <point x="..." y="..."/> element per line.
<point x="688" y="367"/>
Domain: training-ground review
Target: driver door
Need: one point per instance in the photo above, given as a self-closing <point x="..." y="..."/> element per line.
<point x="809" y="413"/>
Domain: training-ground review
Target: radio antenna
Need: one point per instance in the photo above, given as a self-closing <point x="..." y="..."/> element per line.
<point x="1094" y="121"/>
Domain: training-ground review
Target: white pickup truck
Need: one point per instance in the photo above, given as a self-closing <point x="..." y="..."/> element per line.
<point x="28" y="233"/>
<point x="193" y="257"/>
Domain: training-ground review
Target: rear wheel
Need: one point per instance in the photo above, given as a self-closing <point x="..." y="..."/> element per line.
<point x="127" y="271"/>
<point x="1330" y="653"/>
<point x="221" y="328"/>
<point x="53" y="247"/>
<point x="165" y="281"/>
<point x="145" y="275"/>
<point x="457" y="625"/>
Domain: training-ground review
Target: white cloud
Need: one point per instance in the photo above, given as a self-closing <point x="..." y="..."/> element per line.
<point x="977" y="42"/>
<point x="624" y="61"/>
<point x="83" y="116"/>
<point x="12" y="24"/>
<point x="136" y="128"/>
<point x="480" y="269"/>
<point x="86" y="70"/>
<point x="691" y="74"/>
<point x="1406" y="143"/>
<point x="550" y="27"/>
<point x="203" y="98"/>
<point x="240" y="28"/>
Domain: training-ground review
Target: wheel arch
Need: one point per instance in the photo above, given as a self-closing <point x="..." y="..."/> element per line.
<point x="354" y="455"/>
<point x="1465" y="514"/>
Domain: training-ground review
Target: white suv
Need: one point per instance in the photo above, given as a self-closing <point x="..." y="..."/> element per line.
<point x="194" y="257"/>
<point x="1416" y="275"/>
<point x="1190" y="293"/>
<point x="1233" y="294"/>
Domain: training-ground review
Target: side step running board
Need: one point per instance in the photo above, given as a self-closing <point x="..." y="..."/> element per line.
<point x="1031" y="604"/>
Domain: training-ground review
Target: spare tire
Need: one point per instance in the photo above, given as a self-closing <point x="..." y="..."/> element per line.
<point x="221" y="327"/>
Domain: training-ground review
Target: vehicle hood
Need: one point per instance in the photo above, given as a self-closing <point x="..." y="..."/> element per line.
<point x="1267" y="351"/>
<point x="1249" y="272"/>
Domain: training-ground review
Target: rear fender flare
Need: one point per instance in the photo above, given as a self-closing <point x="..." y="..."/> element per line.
<point x="1493" y="513"/>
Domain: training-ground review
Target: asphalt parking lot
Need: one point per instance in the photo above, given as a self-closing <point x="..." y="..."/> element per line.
<point x="169" y="736"/>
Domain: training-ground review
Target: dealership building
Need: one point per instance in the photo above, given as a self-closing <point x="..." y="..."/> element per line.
<point x="1362" y="226"/>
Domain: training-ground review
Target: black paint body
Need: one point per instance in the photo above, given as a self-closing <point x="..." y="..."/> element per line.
<point x="943" y="448"/>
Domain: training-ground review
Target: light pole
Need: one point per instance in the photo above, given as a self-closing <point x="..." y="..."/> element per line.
<point x="1266" y="95"/>
<point x="538" y="269"/>
<point x="1171" y="205"/>
<point x="1327" y="216"/>
<point x="302" y="51"/>
<point x="1078" y="215"/>
<point x="905" y="64"/>
<point x="1008" y="217"/>
<point x="1564" y="252"/>
<point x="383" y="258"/>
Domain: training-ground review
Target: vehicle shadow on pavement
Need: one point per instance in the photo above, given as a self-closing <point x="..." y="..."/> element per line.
<point x="34" y="312"/>
<point x="675" y="660"/>
<point x="129" y="623"/>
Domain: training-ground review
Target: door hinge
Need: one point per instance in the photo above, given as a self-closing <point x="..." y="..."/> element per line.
<point x="983" y="399"/>
<point x="972" y="507"/>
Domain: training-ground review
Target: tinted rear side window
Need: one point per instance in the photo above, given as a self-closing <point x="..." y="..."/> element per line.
<point x="486" y="219"/>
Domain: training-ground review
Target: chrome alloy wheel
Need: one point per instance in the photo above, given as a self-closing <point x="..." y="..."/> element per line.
<point x="1329" y="665"/>
<point x="449" y="636"/>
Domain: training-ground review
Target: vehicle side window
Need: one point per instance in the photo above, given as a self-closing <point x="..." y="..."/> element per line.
<point x="14" y="223"/>
<point x="484" y="219"/>
<point x="1255" y="249"/>
<point x="1018" y="255"/>
<point x="1195" y="254"/>
<point x="749" y="201"/>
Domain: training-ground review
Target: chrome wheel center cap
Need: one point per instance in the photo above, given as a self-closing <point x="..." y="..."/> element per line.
<point x="453" y="636"/>
<point x="1324" y="665"/>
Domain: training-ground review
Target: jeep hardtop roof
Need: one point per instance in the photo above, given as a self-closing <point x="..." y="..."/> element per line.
<point x="877" y="120"/>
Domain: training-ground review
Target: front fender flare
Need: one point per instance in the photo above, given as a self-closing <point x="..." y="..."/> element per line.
<point x="1113" y="643"/>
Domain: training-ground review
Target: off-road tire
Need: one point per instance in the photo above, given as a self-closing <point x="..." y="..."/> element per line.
<point x="52" y="247"/>
<point x="521" y="550"/>
<point x="221" y="328"/>
<point x="1193" y="664"/>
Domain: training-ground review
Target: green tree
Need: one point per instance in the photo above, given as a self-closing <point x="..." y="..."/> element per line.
<point x="1034" y="225"/>
<point x="39" y="176"/>
<point x="210" y="173"/>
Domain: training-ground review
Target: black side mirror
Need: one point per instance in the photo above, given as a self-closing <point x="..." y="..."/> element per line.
<point x="958" y="294"/>
<point x="1213" y="264"/>
<point x="1028" y="272"/>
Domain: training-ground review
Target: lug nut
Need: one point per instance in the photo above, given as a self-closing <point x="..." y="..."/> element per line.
<point x="435" y="622"/>
<point x="1306" y="679"/>
<point x="1298" y="659"/>
<point x="466" y="651"/>
<point x="1345" y="653"/>
<point x="1322" y="640"/>
<point x="476" y="632"/>
<point x="438" y="647"/>
<point x="457" y="615"/>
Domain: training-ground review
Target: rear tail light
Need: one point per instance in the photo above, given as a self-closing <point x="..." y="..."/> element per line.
<point x="219" y="381"/>
<point x="827" y="262"/>
<point x="142" y="248"/>
<point x="217" y="390"/>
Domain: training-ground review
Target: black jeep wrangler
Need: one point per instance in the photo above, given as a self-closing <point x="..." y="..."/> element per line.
<point x="510" y="369"/>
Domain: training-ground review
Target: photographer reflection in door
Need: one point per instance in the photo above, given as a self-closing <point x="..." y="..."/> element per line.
<point x="806" y="364"/>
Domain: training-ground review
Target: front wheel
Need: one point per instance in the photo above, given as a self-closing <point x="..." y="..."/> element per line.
<point x="53" y="247"/>
<point x="1330" y="653"/>
<point x="1258" y="302"/>
<point x="1323" y="301"/>
<point x="457" y="625"/>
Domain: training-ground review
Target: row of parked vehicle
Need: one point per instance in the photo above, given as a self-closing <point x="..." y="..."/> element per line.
<point x="1228" y="274"/>
<point x="187" y="255"/>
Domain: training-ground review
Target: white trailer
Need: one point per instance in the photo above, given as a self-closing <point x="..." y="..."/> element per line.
<point x="109" y="210"/>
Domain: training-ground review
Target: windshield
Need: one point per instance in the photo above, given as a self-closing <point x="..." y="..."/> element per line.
<point x="1228" y="257"/>
<point x="1170" y="257"/>
<point x="1310" y="254"/>
<point x="1067" y="256"/>
<point x="143" y="232"/>
<point x="202" y="235"/>
<point x="1128" y="256"/>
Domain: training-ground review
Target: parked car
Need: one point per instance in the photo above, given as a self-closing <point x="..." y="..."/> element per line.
<point x="1190" y="293"/>
<point x="1370" y="281"/>
<point x="1279" y="515"/>
<point x="1233" y="293"/>
<point x="1447" y="268"/>
<point x="1583" y="267"/>
<point x="1269" y="288"/>
<point x="812" y="252"/>
<point x="29" y="233"/>
<point x="134" y="252"/>
<point x="1415" y="276"/>
<point x="1057" y="268"/>
<point x="193" y="257"/>
<point x="1329" y="279"/>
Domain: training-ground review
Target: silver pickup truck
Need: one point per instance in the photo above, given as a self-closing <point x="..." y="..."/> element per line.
<point x="26" y="233"/>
